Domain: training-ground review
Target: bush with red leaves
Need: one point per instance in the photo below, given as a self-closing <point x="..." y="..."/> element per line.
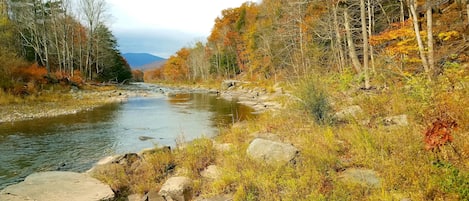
<point x="439" y="134"/>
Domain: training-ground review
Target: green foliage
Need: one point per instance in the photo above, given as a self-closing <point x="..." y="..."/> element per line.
<point x="315" y="101"/>
<point x="121" y="69"/>
<point x="224" y="64"/>
<point x="452" y="180"/>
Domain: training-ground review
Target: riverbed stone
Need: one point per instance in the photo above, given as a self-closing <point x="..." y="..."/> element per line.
<point x="272" y="152"/>
<point x="58" y="186"/>
<point x="177" y="189"/>
<point x="365" y="177"/>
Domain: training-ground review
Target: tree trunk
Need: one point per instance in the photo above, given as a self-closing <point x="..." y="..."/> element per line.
<point x="365" y="43"/>
<point x="351" y="45"/>
<point x="431" y="60"/>
<point x="371" y="25"/>
<point x="413" y="13"/>
<point x="338" y="38"/>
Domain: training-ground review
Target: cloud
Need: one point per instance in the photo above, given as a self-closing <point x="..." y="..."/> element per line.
<point x="160" y="42"/>
<point x="162" y="27"/>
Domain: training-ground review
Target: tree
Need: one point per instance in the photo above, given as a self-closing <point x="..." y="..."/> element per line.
<point x="365" y="43"/>
<point x="94" y="12"/>
<point x="423" y="57"/>
<point x="351" y="45"/>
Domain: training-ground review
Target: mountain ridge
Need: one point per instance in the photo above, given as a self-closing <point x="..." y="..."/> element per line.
<point x="140" y="60"/>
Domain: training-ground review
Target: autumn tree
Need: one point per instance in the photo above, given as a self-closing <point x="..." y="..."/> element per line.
<point x="176" y="68"/>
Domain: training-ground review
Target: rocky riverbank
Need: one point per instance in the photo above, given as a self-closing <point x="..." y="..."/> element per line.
<point x="72" y="102"/>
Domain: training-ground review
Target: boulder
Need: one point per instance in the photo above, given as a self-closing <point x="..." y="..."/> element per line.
<point x="55" y="186"/>
<point x="153" y="196"/>
<point x="134" y="197"/>
<point x="399" y="120"/>
<point x="211" y="172"/>
<point x="364" y="177"/>
<point x="177" y="189"/>
<point x="271" y="152"/>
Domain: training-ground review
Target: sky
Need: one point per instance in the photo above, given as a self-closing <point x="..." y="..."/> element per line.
<point x="162" y="27"/>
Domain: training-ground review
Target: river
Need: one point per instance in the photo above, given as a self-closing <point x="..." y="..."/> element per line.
<point x="75" y="142"/>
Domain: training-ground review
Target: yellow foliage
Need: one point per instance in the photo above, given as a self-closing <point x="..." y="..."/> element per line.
<point x="445" y="36"/>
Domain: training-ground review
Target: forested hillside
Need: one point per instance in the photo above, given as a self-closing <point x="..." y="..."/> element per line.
<point x="278" y="39"/>
<point x="46" y="42"/>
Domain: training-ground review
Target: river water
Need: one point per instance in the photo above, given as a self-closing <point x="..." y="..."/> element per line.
<point x="75" y="142"/>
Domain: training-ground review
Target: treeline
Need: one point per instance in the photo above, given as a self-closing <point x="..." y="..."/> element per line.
<point x="278" y="39"/>
<point x="50" y="41"/>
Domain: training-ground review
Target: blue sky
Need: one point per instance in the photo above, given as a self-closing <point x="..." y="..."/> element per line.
<point x="162" y="27"/>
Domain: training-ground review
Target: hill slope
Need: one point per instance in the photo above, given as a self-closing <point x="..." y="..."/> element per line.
<point x="138" y="60"/>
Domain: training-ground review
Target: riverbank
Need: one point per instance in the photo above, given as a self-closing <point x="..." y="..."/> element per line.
<point x="57" y="103"/>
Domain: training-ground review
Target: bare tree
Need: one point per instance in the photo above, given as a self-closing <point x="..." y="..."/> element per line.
<point x="365" y="43"/>
<point x="351" y="44"/>
<point x="94" y="12"/>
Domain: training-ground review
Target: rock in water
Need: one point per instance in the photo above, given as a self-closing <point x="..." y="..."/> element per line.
<point x="177" y="189"/>
<point x="145" y="138"/>
<point x="272" y="152"/>
<point x="58" y="186"/>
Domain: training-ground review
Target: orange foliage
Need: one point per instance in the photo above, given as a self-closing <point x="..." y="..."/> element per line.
<point x="439" y="134"/>
<point x="137" y="75"/>
<point x="176" y="67"/>
<point x="397" y="31"/>
<point x="77" y="78"/>
<point x="33" y="72"/>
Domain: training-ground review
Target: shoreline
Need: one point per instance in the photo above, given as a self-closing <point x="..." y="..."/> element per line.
<point x="71" y="102"/>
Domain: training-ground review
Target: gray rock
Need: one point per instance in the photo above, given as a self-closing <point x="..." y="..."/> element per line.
<point x="57" y="186"/>
<point x="127" y="159"/>
<point x="145" y="138"/>
<point x="211" y="172"/>
<point x="271" y="152"/>
<point x="177" y="189"/>
<point x="352" y="111"/>
<point x="134" y="197"/>
<point x="399" y="120"/>
<point x="153" y="196"/>
<point x="226" y="84"/>
<point x="364" y="177"/>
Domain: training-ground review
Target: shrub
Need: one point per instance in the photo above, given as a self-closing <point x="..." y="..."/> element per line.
<point x="315" y="101"/>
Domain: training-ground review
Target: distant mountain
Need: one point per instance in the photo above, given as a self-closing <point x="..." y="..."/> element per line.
<point x="140" y="60"/>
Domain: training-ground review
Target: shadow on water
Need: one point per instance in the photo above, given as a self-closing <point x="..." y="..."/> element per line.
<point x="75" y="142"/>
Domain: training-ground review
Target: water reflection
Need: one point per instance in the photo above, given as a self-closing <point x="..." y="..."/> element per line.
<point x="75" y="142"/>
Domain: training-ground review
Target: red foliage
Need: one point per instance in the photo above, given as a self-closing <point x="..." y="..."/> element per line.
<point x="439" y="134"/>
